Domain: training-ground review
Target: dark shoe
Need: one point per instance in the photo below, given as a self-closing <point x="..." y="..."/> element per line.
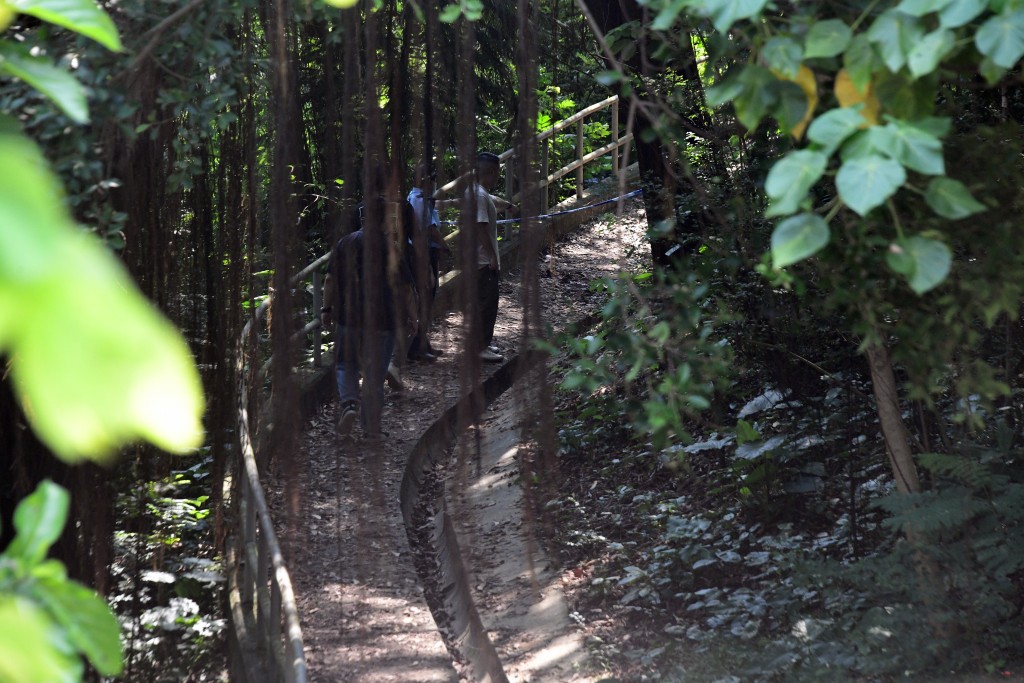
<point x="347" y="419"/>
<point x="394" y="379"/>
<point x="374" y="438"/>
<point x="489" y="356"/>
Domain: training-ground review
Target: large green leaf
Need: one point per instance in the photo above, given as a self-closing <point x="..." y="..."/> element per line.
<point x="128" y="373"/>
<point x="783" y="55"/>
<point x="919" y="8"/>
<point x="917" y="149"/>
<point x="895" y="34"/>
<point x="54" y="82"/>
<point x="827" y="39"/>
<point x="960" y="12"/>
<point x="925" y="262"/>
<point x="798" y="237"/>
<point x="867" y="182"/>
<point x="757" y="96"/>
<point x="38" y="522"/>
<point x="924" y="58"/>
<point x="832" y="128"/>
<point x="725" y="13"/>
<point x="789" y="106"/>
<point x="904" y="97"/>
<point x="31" y="651"/>
<point x="86" y="619"/>
<point x="80" y="16"/>
<point x="32" y="215"/>
<point x="859" y="60"/>
<point x="790" y="178"/>
<point x="875" y="141"/>
<point x="668" y="14"/>
<point x="1001" y="38"/>
<point x="94" y="364"/>
<point x="950" y="199"/>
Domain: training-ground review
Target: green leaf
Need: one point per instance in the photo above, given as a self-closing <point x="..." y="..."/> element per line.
<point x="951" y="199"/>
<point x="789" y="104"/>
<point x="128" y="372"/>
<point x="917" y="149"/>
<point x="875" y="141"/>
<point x="1001" y="38"/>
<point x="725" y="13"/>
<point x="797" y="238"/>
<point x="727" y="90"/>
<point x="867" y="182"/>
<point x="451" y="13"/>
<point x="827" y="39"/>
<point x="790" y="178"/>
<point x="904" y="97"/>
<point x="668" y="15"/>
<point x="608" y="78"/>
<point x="57" y="84"/>
<point x="919" y="8"/>
<point x="961" y="12"/>
<point x="80" y="16"/>
<point x="895" y="34"/>
<point x="746" y="433"/>
<point x="925" y="57"/>
<point x="31" y="649"/>
<point x="757" y="96"/>
<point x="992" y="72"/>
<point x="783" y="55"/>
<point x="38" y="522"/>
<point x="86" y="619"/>
<point x="859" y="60"/>
<point x="929" y="262"/>
<point x="833" y="127"/>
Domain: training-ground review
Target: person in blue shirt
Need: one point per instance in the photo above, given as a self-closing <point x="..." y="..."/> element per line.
<point x="428" y="246"/>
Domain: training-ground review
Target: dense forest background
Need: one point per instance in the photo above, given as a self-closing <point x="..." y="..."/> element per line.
<point x="832" y="192"/>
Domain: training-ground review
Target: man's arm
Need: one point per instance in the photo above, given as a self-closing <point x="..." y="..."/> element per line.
<point x="328" y="301"/>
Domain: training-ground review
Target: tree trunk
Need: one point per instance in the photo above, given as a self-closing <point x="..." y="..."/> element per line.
<point x="897" y="439"/>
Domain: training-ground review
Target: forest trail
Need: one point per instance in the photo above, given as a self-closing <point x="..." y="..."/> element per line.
<point x="363" y="611"/>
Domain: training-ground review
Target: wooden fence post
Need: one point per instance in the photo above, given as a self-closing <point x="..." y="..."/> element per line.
<point x="579" y="157"/>
<point x="615" y="138"/>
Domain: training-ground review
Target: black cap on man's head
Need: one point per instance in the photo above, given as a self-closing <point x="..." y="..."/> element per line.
<point x="488" y="158"/>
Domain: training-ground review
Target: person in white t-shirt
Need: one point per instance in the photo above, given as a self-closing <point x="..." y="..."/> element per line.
<point x="488" y="168"/>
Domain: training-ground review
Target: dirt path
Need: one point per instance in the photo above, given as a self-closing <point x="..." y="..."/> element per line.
<point x="364" y="616"/>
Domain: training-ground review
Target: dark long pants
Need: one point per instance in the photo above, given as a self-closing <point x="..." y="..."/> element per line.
<point x="487" y="290"/>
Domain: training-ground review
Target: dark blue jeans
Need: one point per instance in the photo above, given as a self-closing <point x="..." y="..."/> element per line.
<point x="366" y="353"/>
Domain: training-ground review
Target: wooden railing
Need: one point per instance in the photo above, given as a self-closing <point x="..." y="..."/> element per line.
<point x="582" y="157"/>
<point x="265" y="617"/>
<point x="263" y="605"/>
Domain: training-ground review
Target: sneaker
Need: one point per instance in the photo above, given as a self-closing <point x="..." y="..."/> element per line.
<point x="347" y="419"/>
<point x="374" y="438"/>
<point x="489" y="356"/>
<point x="494" y="349"/>
<point x="394" y="379"/>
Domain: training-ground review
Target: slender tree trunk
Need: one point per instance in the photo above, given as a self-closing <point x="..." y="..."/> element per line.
<point x="897" y="438"/>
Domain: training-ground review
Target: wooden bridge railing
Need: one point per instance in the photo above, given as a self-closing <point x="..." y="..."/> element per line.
<point x="263" y="607"/>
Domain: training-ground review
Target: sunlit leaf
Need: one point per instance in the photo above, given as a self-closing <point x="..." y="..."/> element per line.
<point x="790" y="178"/>
<point x="867" y="182"/>
<point x="1001" y="38"/>
<point x="87" y="621"/>
<point x="57" y="84"/>
<point x="451" y="13"/>
<point x="31" y="649"/>
<point x="827" y="39"/>
<point x="798" y="238"/>
<point x="343" y="4"/>
<point x="38" y="522"/>
<point x="93" y="363"/>
<point x="80" y="16"/>
<point x="950" y="199"/>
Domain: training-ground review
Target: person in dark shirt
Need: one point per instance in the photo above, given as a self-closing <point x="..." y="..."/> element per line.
<point x="368" y="292"/>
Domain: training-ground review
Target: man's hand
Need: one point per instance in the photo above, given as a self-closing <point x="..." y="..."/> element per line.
<point x="325" y="319"/>
<point x="493" y="265"/>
